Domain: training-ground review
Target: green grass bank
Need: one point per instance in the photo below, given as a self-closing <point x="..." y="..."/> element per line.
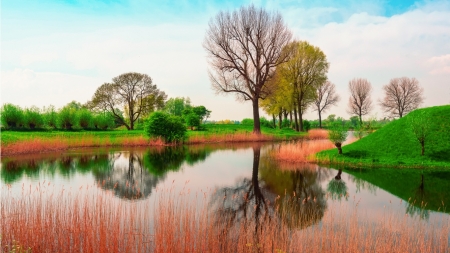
<point x="395" y="145"/>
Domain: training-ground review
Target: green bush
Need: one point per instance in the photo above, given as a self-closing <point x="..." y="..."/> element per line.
<point x="306" y="125"/>
<point x="337" y="135"/>
<point x="286" y="124"/>
<point x="50" y="117"/>
<point x="103" y="121"/>
<point x="192" y="120"/>
<point x="247" y="122"/>
<point x="33" y="118"/>
<point x="67" y="118"/>
<point x="265" y="122"/>
<point x="11" y="115"/>
<point x="168" y="127"/>
<point x="85" y="118"/>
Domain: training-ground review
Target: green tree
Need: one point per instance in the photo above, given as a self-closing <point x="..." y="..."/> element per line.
<point x="33" y="118"/>
<point x="166" y="126"/>
<point x="202" y="112"/>
<point x="103" y="121"/>
<point x="67" y="117"/>
<point x="85" y="118"/>
<point x="337" y="134"/>
<point x="50" y="116"/>
<point x="305" y="70"/>
<point x="420" y="127"/>
<point x="11" y="115"/>
<point x="176" y="106"/>
<point x="128" y="91"/>
<point x="192" y="120"/>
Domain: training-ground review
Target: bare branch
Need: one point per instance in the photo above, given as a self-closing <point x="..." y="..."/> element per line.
<point x="401" y="96"/>
<point x="359" y="102"/>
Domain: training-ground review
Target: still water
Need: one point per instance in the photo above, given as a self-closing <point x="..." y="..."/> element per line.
<point x="223" y="172"/>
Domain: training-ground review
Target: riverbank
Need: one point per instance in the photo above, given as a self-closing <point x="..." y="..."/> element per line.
<point x="28" y="142"/>
<point x="396" y="146"/>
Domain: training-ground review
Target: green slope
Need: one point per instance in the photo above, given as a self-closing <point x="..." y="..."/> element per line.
<point x="394" y="144"/>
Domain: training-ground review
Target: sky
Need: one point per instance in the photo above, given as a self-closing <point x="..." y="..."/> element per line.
<point x="57" y="51"/>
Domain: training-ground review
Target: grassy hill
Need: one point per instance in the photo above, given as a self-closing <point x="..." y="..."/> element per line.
<point x="394" y="145"/>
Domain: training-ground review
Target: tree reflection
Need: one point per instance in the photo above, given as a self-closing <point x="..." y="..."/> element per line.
<point x="253" y="202"/>
<point x="416" y="207"/>
<point x="127" y="177"/>
<point x="337" y="188"/>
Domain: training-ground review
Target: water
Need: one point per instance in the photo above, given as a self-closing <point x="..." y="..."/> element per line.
<point x="237" y="178"/>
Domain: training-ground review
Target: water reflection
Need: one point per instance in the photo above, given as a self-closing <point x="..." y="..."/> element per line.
<point x="337" y="188"/>
<point x="296" y="196"/>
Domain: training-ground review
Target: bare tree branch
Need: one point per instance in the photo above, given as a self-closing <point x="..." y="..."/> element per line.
<point x="325" y="97"/>
<point x="359" y="102"/>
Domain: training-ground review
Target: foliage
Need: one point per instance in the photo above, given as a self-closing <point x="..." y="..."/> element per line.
<point x="175" y="106"/>
<point x="202" y="112"/>
<point x="33" y="118"/>
<point x="265" y="122"/>
<point x="394" y="144"/>
<point x="67" y="117"/>
<point x="166" y="126"/>
<point x="247" y="121"/>
<point x="85" y="118"/>
<point x="192" y="120"/>
<point x="50" y="117"/>
<point x="129" y="91"/>
<point x="337" y="134"/>
<point x="306" y="125"/>
<point x="11" y="115"/>
<point x="419" y="125"/>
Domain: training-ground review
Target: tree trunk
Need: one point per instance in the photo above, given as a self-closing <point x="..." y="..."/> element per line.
<point x="280" y="120"/>
<point x="339" y="147"/>
<point x="338" y="176"/>
<point x="300" y="117"/>
<point x="274" y="121"/>
<point x="290" y="118"/>
<point x="320" y="120"/>
<point x="256" y="121"/>
<point x="422" y="143"/>
<point x="296" y="120"/>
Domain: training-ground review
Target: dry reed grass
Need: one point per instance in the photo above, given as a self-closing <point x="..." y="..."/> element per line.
<point x="301" y="152"/>
<point x="317" y="134"/>
<point x="42" y="145"/>
<point x="230" y="138"/>
<point x="48" y="220"/>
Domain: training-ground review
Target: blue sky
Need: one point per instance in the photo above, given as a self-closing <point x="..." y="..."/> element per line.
<point x="53" y="52"/>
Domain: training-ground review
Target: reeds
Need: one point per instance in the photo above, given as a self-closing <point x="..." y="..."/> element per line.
<point x="230" y="138"/>
<point x="317" y="134"/>
<point x="45" y="218"/>
<point x="42" y="145"/>
<point x="301" y="151"/>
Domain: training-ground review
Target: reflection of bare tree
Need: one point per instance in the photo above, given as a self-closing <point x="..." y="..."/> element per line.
<point x="337" y="188"/>
<point x="252" y="202"/>
<point x="126" y="176"/>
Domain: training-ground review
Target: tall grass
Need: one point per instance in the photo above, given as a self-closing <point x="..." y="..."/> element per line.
<point x="317" y="134"/>
<point x="230" y="138"/>
<point x="41" y="145"/>
<point x="47" y="219"/>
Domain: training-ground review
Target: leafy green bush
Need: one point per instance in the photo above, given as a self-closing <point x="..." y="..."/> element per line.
<point x="103" y="121"/>
<point x="67" y="118"/>
<point x="192" y="120"/>
<point x="337" y="135"/>
<point x="306" y="125"/>
<point x="85" y="118"/>
<point x="33" y="118"/>
<point x="50" y="117"/>
<point x="247" y="122"/>
<point x="168" y="127"/>
<point x="11" y="115"/>
<point x="286" y="124"/>
<point x="265" y="122"/>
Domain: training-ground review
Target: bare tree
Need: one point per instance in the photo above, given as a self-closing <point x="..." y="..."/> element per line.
<point x="127" y="91"/>
<point x="325" y="97"/>
<point x="401" y="96"/>
<point x="244" y="47"/>
<point x="360" y="102"/>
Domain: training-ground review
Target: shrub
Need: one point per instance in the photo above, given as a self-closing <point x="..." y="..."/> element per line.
<point x="337" y="135"/>
<point x="192" y="120"/>
<point x="50" y="117"/>
<point x="265" y="122"/>
<point x="306" y="125"/>
<point x="67" y="118"/>
<point x="103" y="121"/>
<point x="168" y="127"/>
<point x="33" y="118"/>
<point x="11" y="115"/>
<point x="286" y="123"/>
<point x="247" y="122"/>
<point x="85" y="118"/>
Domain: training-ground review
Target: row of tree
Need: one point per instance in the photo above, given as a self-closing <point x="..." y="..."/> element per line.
<point x="251" y="54"/>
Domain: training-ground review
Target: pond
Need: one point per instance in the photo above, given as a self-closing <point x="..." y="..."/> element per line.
<point x="240" y="182"/>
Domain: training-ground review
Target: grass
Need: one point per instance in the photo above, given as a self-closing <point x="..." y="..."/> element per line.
<point x="394" y="145"/>
<point x="25" y="142"/>
<point x="45" y="218"/>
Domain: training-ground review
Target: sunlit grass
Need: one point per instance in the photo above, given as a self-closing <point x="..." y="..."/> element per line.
<point x="45" y="218"/>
